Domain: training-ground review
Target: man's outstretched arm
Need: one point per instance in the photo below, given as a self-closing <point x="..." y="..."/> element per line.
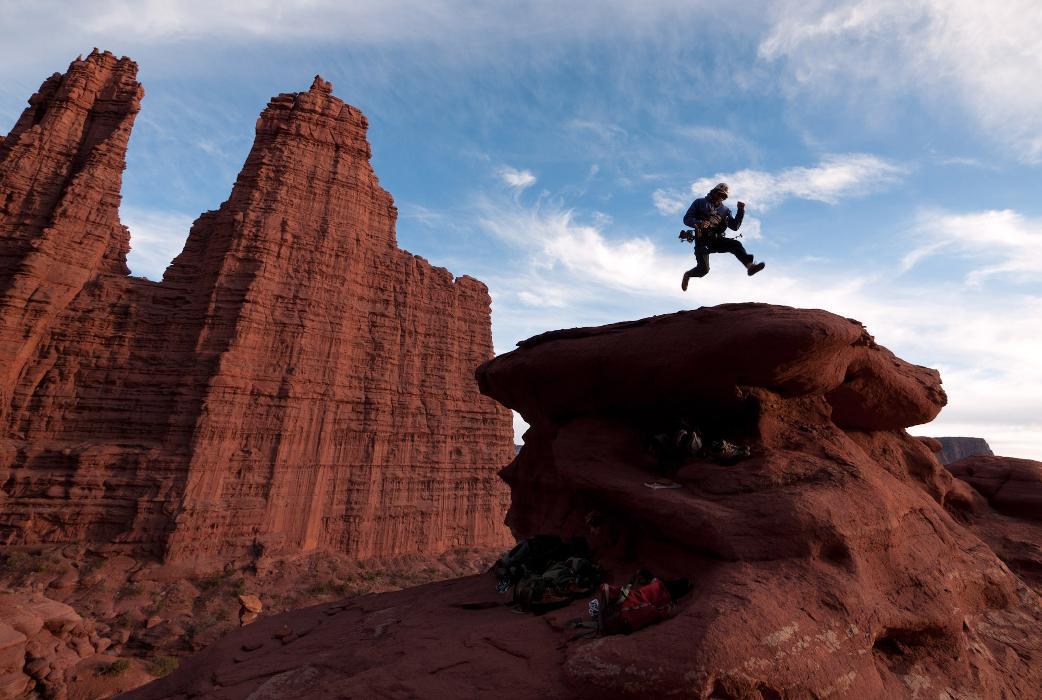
<point x="735" y="222"/>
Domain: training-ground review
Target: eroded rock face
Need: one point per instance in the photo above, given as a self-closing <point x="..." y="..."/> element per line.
<point x="825" y="565"/>
<point x="1011" y="486"/>
<point x="40" y="640"/>
<point x="1000" y="500"/>
<point x="295" y="382"/>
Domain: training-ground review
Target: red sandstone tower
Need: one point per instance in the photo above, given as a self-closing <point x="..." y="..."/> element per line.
<point x="296" y="381"/>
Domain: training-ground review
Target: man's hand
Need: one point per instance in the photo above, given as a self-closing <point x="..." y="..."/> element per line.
<point x="741" y="205"/>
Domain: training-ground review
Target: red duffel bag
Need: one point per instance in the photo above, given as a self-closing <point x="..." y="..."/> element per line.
<point x="625" y="609"/>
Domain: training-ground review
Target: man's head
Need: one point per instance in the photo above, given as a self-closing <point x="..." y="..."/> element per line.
<point x="718" y="193"/>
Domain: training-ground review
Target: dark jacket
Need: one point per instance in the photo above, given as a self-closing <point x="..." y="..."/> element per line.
<point x="719" y="217"/>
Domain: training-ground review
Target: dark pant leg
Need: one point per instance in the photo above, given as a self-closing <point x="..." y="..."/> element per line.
<point x="733" y="246"/>
<point x="702" y="257"/>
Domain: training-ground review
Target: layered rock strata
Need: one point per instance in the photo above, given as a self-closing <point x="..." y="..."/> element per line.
<point x="295" y="382"/>
<point x="826" y="564"/>
<point x="833" y="562"/>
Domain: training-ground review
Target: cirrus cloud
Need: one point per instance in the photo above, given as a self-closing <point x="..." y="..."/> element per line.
<point x="1010" y="241"/>
<point x="987" y="57"/>
<point x="836" y="177"/>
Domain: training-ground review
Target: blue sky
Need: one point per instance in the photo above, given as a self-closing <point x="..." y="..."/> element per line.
<point x="889" y="153"/>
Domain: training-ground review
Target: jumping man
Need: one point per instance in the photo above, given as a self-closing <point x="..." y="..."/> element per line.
<point x="710" y="219"/>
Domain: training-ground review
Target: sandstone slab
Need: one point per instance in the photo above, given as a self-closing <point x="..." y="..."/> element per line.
<point x="1012" y="486"/>
<point x="998" y="498"/>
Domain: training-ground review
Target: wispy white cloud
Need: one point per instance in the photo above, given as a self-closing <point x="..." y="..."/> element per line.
<point x="209" y="147"/>
<point x="604" y="130"/>
<point x="670" y="202"/>
<point x="986" y="57"/>
<point x="752" y="229"/>
<point x="715" y="138"/>
<point x="553" y="238"/>
<point x="967" y="162"/>
<point x="425" y="215"/>
<point x="1009" y="243"/>
<point x="368" y="21"/>
<point x="517" y="180"/>
<point x="986" y="350"/>
<point x="707" y="134"/>
<point x="835" y="178"/>
<point x="547" y="296"/>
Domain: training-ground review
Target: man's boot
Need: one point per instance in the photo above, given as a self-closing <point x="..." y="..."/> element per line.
<point x="753" y="268"/>
<point x="683" y="282"/>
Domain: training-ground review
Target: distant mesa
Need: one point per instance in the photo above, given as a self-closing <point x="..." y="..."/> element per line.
<point x="295" y="382"/>
<point x="955" y="448"/>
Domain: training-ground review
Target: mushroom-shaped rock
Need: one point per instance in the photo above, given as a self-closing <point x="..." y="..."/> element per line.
<point x="712" y="357"/>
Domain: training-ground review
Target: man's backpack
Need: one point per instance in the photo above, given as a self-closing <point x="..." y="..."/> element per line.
<point x="626" y="609"/>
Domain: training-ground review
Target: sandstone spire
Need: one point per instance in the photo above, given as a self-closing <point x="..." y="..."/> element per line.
<point x="296" y="381"/>
<point x="60" y="174"/>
